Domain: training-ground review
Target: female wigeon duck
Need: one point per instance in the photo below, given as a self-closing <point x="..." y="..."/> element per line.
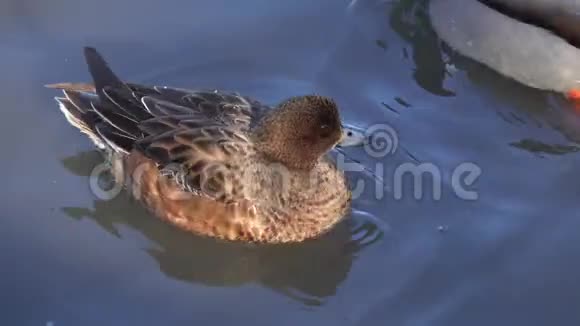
<point x="536" y="42"/>
<point x="213" y="163"/>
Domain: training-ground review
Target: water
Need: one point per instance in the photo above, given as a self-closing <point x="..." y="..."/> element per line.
<point x="508" y="258"/>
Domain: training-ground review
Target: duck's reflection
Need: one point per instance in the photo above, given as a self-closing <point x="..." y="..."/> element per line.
<point x="308" y="272"/>
<point x="409" y="19"/>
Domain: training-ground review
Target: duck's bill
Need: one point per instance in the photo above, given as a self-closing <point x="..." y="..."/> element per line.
<point x="351" y="136"/>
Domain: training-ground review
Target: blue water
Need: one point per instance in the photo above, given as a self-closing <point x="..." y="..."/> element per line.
<point x="508" y="258"/>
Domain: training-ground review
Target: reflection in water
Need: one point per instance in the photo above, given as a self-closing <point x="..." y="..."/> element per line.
<point x="410" y="20"/>
<point x="308" y="272"/>
<point x="533" y="108"/>
<point x="433" y="59"/>
<point x="538" y="147"/>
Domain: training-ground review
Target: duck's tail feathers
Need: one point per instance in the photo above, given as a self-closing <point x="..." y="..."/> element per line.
<point x="105" y="127"/>
<point x="79" y="87"/>
<point x="84" y="121"/>
<point x="117" y="105"/>
<point x="102" y="75"/>
<point x="108" y="111"/>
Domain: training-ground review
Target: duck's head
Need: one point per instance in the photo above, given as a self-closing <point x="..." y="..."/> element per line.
<point x="300" y="131"/>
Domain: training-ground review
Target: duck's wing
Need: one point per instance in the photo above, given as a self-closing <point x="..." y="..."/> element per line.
<point x="140" y="103"/>
<point x="203" y="157"/>
<point x="198" y="138"/>
<point x="230" y="109"/>
<point x="198" y="142"/>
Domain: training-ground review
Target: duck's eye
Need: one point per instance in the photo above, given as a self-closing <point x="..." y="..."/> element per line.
<point x="324" y="130"/>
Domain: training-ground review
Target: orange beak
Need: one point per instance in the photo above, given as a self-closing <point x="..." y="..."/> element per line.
<point x="574" y="96"/>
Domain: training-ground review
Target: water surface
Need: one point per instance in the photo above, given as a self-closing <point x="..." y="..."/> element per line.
<point x="508" y="258"/>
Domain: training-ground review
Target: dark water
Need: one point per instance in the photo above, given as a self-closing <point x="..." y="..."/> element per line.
<point x="511" y="257"/>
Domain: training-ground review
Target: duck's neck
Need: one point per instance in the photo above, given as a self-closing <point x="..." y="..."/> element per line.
<point x="282" y="151"/>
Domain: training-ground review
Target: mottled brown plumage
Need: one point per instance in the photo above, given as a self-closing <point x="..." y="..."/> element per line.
<point x="213" y="163"/>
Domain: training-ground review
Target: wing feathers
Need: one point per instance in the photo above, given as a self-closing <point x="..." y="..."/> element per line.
<point x="191" y="135"/>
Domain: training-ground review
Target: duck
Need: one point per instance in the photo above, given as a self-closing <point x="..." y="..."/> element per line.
<point x="216" y="163"/>
<point x="535" y="42"/>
